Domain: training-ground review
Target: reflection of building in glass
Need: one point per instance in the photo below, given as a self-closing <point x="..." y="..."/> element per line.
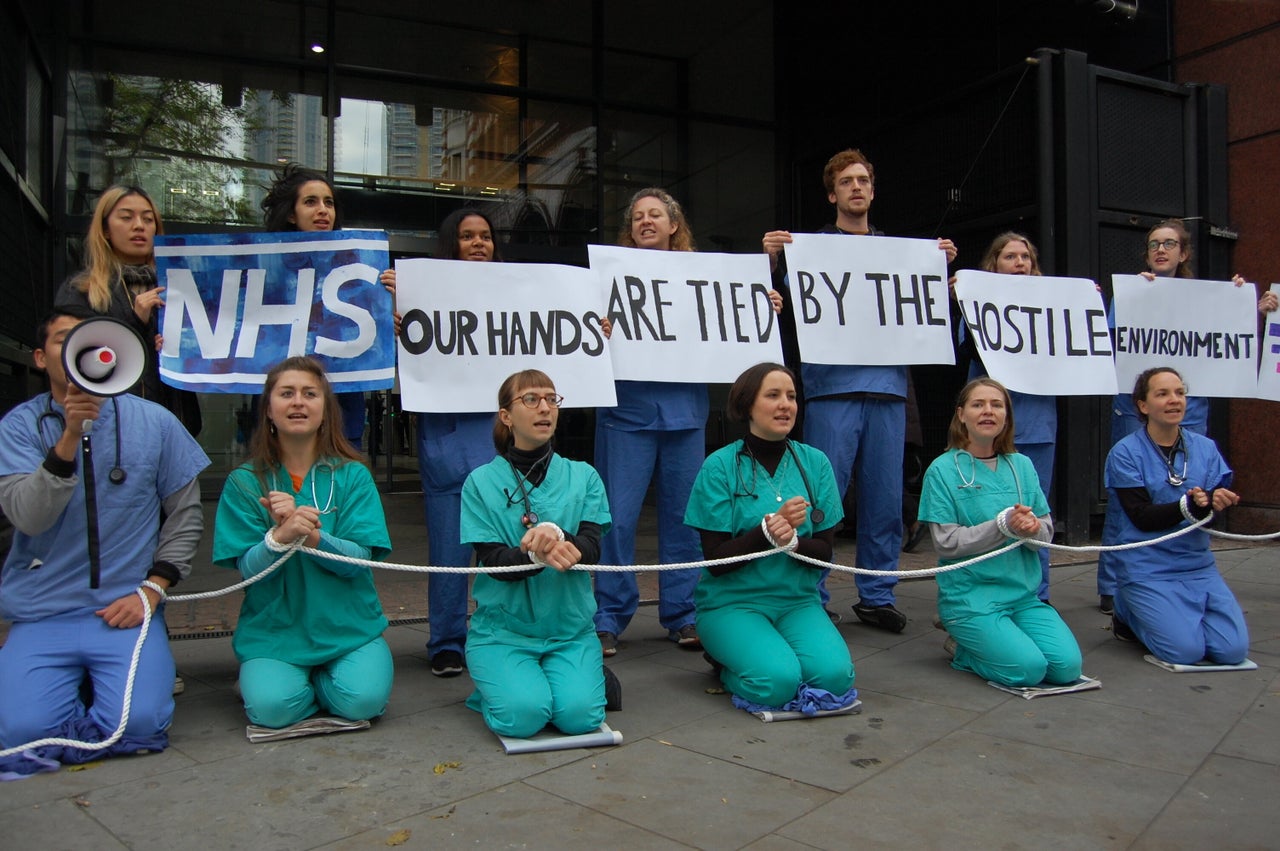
<point x="407" y="138"/>
<point x="280" y="129"/>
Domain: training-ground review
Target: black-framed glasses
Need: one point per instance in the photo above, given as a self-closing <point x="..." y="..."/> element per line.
<point x="531" y="400"/>
<point x="1166" y="244"/>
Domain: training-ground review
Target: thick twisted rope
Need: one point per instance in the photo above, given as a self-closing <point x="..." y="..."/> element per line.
<point x="296" y="547"/>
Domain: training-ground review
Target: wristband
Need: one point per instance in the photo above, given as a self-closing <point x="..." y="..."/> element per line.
<point x="789" y="546"/>
<point x="274" y="545"/>
<point x="559" y="531"/>
<point x="1184" y="505"/>
<point x="1002" y="523"/>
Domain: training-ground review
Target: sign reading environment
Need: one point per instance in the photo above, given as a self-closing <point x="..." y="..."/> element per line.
<point x="682" y="316"/>
<point x="1269" y="370"/>
<point x="870" y="300"/>
<point x="238" y="304"/>
<point x="1041" y="335"/>
<point x="1204" y="329"/>
<point x="466" y="326"/>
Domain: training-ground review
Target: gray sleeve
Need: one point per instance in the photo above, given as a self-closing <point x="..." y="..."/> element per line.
<point x="183" y="525"/>
<point x="34" y="501"/>
<point x="952" y="540"/>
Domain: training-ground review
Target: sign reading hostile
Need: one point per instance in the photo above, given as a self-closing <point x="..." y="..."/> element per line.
<point x="870" y="300"/>
<point x="682" y="316"/>
<point x="1269" y="371"/>
<point x="466" y="326"/>
<point x="1204" y="329"/>
<point x="1040" y="335"/>
<point x="238" y="304"/>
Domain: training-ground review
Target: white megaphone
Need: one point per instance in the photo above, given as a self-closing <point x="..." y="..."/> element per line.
<point x="103" y="356"/>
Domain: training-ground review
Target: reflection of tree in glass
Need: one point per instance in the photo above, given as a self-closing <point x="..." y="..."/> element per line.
<point x="173" y="137"/>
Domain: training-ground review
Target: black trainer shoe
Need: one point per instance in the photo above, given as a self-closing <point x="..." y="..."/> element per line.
<point x="1107" y="604"/>
<point x="716" y="667"/>
<point x="612" y="691"/>
<point x="446" y="663"/>
<point x="1121" y="630"/>
<point x="881" y="617"/>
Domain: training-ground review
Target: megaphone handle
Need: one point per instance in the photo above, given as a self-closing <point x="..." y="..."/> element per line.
<point x="90" y="507"/>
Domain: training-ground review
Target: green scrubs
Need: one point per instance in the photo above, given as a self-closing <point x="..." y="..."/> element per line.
<point x="764" y="621"/>
<point x="310" y="634"/>
<point x="1003" y="631"/>
<point x="531" y="647"/>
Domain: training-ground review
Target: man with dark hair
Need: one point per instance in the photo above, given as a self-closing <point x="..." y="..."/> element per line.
<point x="64" y="667"/>
<point x="857" y="414"/>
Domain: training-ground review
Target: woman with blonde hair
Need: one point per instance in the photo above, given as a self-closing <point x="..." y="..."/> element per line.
<point x="119" y="280"/>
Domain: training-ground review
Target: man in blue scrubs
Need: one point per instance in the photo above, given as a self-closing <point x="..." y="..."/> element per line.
<point x="857" y="414"/>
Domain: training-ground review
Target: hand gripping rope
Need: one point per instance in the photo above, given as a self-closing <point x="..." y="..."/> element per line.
<point x="288" y="550"/>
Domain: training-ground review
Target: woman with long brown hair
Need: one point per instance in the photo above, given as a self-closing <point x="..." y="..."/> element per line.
<point x="309" y="637"/>
<point x="978" y="496"/>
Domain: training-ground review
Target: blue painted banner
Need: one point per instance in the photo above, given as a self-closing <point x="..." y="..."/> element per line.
<point x="237" y="304"/>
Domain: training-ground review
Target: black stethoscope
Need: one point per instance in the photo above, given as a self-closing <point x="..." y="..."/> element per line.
<point x="530" y="517"/>
<point x="1172" y="478"/>
<point x="816" y="514"/>
<point x="117" y="474"/>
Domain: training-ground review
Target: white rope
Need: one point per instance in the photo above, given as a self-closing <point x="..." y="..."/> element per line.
<point x="296" y="547"/>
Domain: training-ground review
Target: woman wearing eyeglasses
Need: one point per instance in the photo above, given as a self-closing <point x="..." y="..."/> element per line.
<point x="309" y="638"/>
<point x="980" y="495"/>
<point x="1167" y="255"/>
<point x="762" y="621"/>
<point x="531" y="649"/>
<point x="1170" y="596"/>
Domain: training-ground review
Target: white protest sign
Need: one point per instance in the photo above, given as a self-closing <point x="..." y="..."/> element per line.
<point x="1204" y="329"/>
<point x="1269" y="371"/>
<point x="467" y="326"/>
<point x="683" y="316"/>
<point x="1041" y="335"/>
<point x="869" y="300"/>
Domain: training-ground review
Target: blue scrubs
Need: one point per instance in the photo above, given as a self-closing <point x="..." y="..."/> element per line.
<point x="450" y="446"/>
<point x="532" y="652"/>
<point x="1002" y="632"/>
<point x="56" y="640"/>
<point x="764" y="622"/>
<point x="1035" y="434"/>
<point x="353" y="415"/>
<point x="857" y="416"/>
<point x="656" y="433"/>
<point x="1124" y="422"/>
<point x="1171" y="594"/>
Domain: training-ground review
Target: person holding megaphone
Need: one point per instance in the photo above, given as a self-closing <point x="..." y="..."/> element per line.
<point x="76" y="600"/>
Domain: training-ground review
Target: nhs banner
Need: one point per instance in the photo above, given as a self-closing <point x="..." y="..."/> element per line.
<point x="237" y="304"/>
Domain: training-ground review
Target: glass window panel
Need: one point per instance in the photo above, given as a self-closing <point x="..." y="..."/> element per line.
<point x="730" y="187"/>
<point x="638" y="151"/>
<point x="641" y="79"/>
<point x="559" y="68"/>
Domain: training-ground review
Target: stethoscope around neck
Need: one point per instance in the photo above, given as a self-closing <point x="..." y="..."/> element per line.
<point x="816" y="514"/>
<point x="970" y="482"/>
<point x="529" y="518"/>
<point x="117" y="474"/>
